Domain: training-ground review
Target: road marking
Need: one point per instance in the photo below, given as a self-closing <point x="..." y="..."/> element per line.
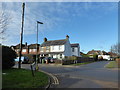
<point x="54" y="78"/>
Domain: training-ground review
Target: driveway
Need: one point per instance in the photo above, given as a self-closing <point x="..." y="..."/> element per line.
<point x="92" y="75"/>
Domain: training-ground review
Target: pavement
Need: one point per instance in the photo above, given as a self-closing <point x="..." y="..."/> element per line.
<point x="93" y="75"/>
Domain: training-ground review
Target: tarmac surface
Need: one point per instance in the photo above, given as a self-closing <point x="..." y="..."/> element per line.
<point x="93" y="75"/>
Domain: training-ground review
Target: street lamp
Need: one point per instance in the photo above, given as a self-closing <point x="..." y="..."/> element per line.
<point x="36" y="45"/>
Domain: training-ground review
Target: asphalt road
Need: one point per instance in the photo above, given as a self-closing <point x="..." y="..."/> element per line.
<point x="93" y="75"/>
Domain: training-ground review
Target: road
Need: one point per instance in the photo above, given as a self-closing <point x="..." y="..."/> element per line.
<point x="93" y="75"/>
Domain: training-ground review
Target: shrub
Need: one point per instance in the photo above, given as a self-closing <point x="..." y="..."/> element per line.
<point x="8" y="56"/>
<point x="95" y="56"/>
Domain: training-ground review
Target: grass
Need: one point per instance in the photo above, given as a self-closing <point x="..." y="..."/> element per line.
<point x="77" y="64"/>
<point x="111" y="64"/>
<point x="21" y="78"/>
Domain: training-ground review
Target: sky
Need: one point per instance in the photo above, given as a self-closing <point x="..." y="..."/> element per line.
<point x="94" y="25"/>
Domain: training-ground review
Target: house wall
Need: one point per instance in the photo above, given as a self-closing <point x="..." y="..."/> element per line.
<point x="67" y="51"/>
<point x="57" y="48"/>
<point x="76" y="51"/>
<point x="105" y="56"/>
<point x="24" y="51"/>
<point x="33" y="51"/>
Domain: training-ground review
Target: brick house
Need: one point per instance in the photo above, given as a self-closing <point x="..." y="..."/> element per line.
<point x="27" y="49"/>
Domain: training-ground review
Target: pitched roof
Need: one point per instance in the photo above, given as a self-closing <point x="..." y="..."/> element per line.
<point x="98" y="52"/>
<point x="74" y="45"/>
<point x="54" y="42"/>
<point x="18" y="46"/>
<point x="33" y="46"/>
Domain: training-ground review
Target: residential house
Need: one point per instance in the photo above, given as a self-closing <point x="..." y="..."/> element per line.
<point x="93" y="52"/>
<point x="101" y="54"/>
<point x="17" y="48"/>
<point x="50" y="48"/>
<point x="32" y="49"/>
<point x="58" y="48"/>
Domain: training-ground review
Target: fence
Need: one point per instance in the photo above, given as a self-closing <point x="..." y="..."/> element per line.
<point x="73" y="59"/>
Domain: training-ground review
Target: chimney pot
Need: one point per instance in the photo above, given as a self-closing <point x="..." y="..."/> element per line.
<point x="26" y="44"/>
<point x="67" y="37"/>
<point x="45" y="39"/>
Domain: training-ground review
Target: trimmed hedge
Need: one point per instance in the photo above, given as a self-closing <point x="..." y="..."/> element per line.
<point x="8" y="56"/>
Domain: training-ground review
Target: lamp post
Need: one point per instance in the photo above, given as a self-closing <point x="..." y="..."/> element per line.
<point x="37" y="45"/>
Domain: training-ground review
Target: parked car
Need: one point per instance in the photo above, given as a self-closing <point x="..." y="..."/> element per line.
<point x="48" y="59"/>
<point x="24" y="60"/>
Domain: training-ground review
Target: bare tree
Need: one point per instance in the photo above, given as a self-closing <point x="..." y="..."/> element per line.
<point x="115" y="49"/>
<point x="4" y="22"/>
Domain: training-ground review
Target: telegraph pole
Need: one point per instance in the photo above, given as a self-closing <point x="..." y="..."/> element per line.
<point x="21" y="35"/>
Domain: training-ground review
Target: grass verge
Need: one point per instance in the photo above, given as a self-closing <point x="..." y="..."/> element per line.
<point x="77" y="64"/>
<point x="111" y="64"/>
<point x="21" y="78"/>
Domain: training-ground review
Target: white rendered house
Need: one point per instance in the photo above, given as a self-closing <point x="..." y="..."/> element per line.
<point x="57" y="48"/>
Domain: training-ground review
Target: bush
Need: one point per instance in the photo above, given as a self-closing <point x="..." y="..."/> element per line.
<point x="8" y="56"/>
<point x="95" y="56"/>
<point x="70" y="58"/>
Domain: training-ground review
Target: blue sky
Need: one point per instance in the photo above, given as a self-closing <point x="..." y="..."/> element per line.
<point x="94" y="25"/>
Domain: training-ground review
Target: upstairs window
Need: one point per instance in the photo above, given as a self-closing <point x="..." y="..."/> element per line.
<point x="47" y="48"/>
<point x="73" y="50"/>
<point x="52" y="47"/>
<point x="34" y="50"/>
<point x="30" y="50"/>
<point x="42" y="48"/>
<point x="60" y="47"/>
<point x="24" y="50"/>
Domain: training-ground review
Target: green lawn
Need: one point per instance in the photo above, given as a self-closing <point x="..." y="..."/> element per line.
<point x="21" y="78"/>
<point x="111" y="64"/>
<point x="81" y="63"/>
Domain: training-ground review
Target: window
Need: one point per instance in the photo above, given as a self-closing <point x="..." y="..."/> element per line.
<point x="34" y="50"/>
<point x="30" y="50"/>
<point x="24" y="50"/>
<point x="60" y="47"/>
<point x="42" y="48"/>
<point x="47" y="48"/>
<point x="52" y="47"/>
<point x="60" y="55"/>
<point x="72" y="49"/>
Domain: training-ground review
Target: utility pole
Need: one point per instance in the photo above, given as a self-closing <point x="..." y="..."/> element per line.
<point x="21" y="35"/>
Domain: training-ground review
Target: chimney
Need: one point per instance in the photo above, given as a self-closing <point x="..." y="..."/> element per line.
<point x="67" y="37"/>
<point x="26" y="44"/>
<point x="45" y="39"/>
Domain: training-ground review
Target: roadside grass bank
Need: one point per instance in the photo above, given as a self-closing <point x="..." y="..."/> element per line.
<point x="21" y="78"/>
<point x="112" y="64"/>
<point x="77" y="64"/>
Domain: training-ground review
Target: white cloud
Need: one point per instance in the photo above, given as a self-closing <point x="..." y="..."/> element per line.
<point x="48" y="13"/>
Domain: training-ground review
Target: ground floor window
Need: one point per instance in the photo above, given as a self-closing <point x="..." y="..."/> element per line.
<point x="60" y="55"/>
